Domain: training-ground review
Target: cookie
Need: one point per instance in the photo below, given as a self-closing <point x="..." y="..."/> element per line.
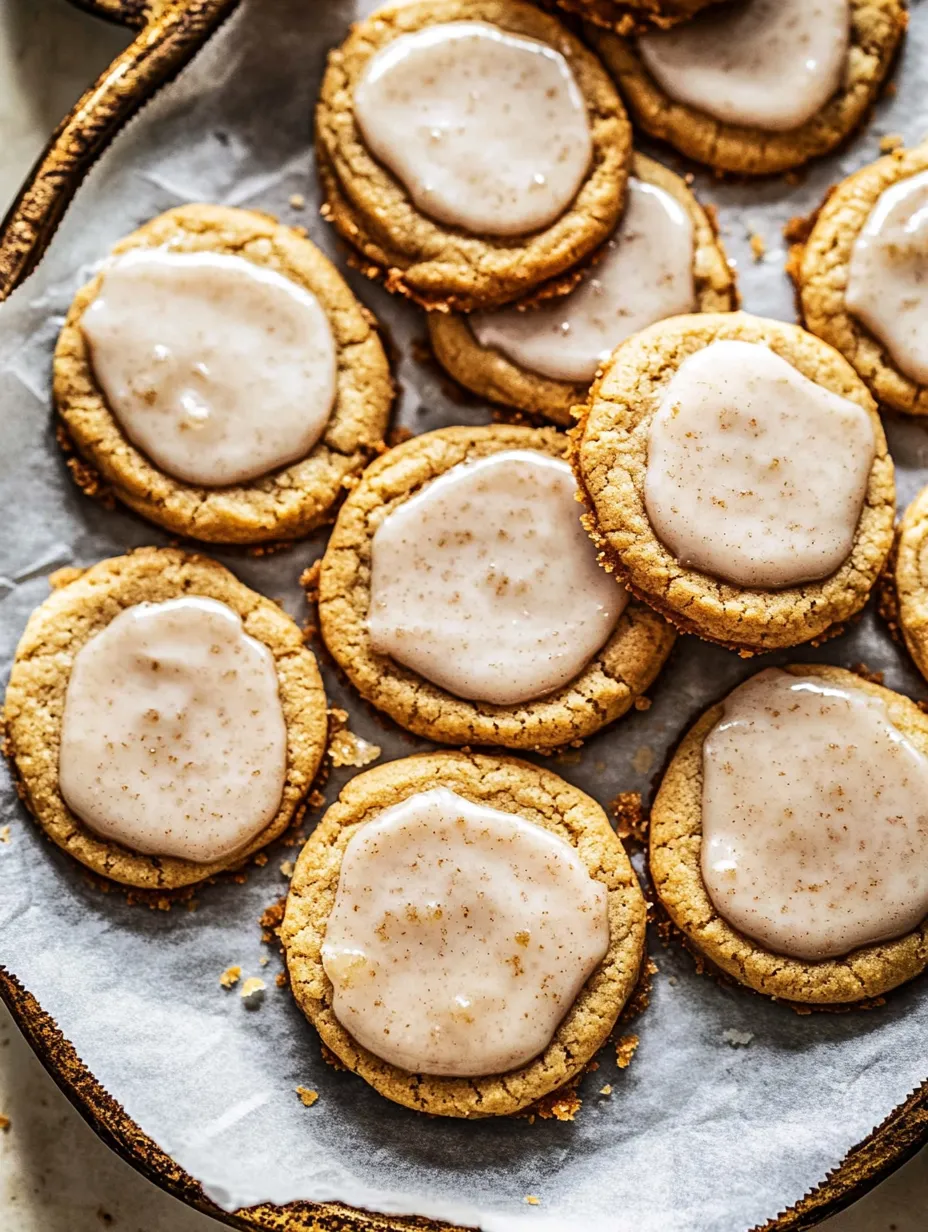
<point x="439" y="264"/>
<point x="80" y="607"/>
<point x="287" y="502"/>
<point x="676" y="839"/>
<point x="614" y="462"/>
<point x="605" y="688"/>
<point x="821" y="267"/>
<point x="634" y="16"/>
<point x="490" y="373"/>
<point x="910" y="580"/>
<point x="510" y="786"/>
<point x="876" y="28"/>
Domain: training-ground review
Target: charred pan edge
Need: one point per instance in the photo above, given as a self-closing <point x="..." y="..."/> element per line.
<point x="172" y="31"/>
<point x="170" y="34"/>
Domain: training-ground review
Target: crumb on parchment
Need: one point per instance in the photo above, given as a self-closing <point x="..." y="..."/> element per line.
<point x="758" y="247"/>
<point x="345" y="747"/>
<point x="230" y="977"/>
<point x="307" y="1096"/>
<point x="737" y="1039"/>
<point x="625" y="1048"/>
<point x="297" y="201"/>
<point x="606" y="1090"/>
<point x="890" y="142"/>
<point x="4" y="834"/>
<point x="286" y="869"/>
<point x="532" y="1200"/>
<point x="5" y="1123"/>
<point x="252" y="991"/>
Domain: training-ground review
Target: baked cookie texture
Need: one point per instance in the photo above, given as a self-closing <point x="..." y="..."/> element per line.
<point x="635" y="16"/>
<point x="910" y="580"/>
<point x="877" y="27"/>
<point x="675" y="843"/>
<point x="80" y="606"/>
<point x="609" y="454"/>
<point x="511" y="786"/>
<point x="606" y="688"/>
<point x="489" y="373"/>
<point x="440" y="266"/>
<point x="820" y="268"/>
<point x="287" y="503"/>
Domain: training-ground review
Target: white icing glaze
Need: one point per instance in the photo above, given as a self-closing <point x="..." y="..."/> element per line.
<point x="814" y="818"/>
<point x="769" y="64"/>
<point x="487" y="130"/>
<point x="220" y="370"/>
<point x="460" y="936"/>
<point x="486" y="583"/>
<point x="173" y="739"/>
<point x="755" y="473"/>
<point x="645" y="275"/>
<point x="887" y="281"/>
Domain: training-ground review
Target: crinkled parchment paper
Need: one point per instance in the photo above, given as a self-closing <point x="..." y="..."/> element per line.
<point x="697" y="1135"/>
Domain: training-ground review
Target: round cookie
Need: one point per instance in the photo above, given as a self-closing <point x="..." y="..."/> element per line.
<point x="78" y="609"/>
<point x="910" y="580"/>
<point x="439" y="265"/>
<point x="876" y="29"/>
<point x="675" y="843"/>
<point x="511" y="786"/>
<point x="635" y="16"/>
<point x="489" y="373"/>
<point x="609" y="449"/>
<point x="605" y="689"/>
<point x="820" y="267"/>
<point x="287" y="503"/>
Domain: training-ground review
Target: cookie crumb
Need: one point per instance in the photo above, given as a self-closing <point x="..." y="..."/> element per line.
<point x="348" y="749"/>
<point x="532" y="1200"/>
<point x="606" y="1090"/>
<point x="642" y="703"/>
<point x="4" y="834"/>
<point x="297" y="201"/>
<point x="230" y="977"/>
<point x="737" y="1039"/>
<point x="307" y="1096"/>
<point x="263" y="960"/>
<point x="890" y="142"/>
<point x="286" y="869"/>
<point x="5" y="1123"/>
<point x="625" y="1048"/>
<point x="758" y="247"/>
<point x="261" y="859"/>
<point x="630" y="818"/>
<point x="252" y="992"/>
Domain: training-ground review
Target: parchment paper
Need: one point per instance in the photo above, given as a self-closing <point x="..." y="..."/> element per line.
<point x="698" y="1135"/>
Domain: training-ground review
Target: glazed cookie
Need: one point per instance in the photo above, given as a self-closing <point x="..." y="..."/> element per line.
<point x="220" y="378"/>
<point x="470" y="150"/>
<point x="635" y="16"/>
<point x="737" y="479"/>
<point x="910" y="580"/>
<point x="163" y="721"/>
<point x="788" y="840"/>
<point x="665" y="258"/>
<point x="759" y="87"/>
<point x="463" y="932"/>
<point x="460" y="595"/>
<point x="860" y="277"/>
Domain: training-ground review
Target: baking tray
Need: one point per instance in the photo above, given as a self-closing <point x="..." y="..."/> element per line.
<point x="169" y="33"/>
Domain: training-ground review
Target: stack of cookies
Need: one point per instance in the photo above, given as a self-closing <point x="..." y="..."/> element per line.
<point x="464" y="929"/>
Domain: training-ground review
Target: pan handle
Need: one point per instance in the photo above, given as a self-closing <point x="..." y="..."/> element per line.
<point x="170" y="34"/>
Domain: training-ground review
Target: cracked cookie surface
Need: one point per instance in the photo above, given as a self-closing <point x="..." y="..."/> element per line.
<point x="286" y="503"/>
<point x="635" y="16"/>
<point x="820" y="267"/>
<point x="438" y="265"/>
<point x="75" y="612"/>
<point x="877" y="27"/>
<point x="491" y="374"/>
<point x="511" y="786"/>
<point x="606" y="688"/>
<point x="609" y="455"/>
<point x="675" y="845"/>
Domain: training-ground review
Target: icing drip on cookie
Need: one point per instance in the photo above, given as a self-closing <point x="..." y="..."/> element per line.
<point x="768" y="64"/>
<point x="756" y="474"/>
<point x="460" y="936"/>
<point x="887" y="286"/>
<point x="173" y="740"/>
<point x="220" y="370"/>
<point x="645" y="275"/>
<point x="485" y="582"/>
<point x="488" y="131"/>
<point x="814" y="818"/>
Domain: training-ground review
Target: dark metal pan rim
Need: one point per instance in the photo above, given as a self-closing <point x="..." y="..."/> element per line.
<point x="170" y="34"/>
